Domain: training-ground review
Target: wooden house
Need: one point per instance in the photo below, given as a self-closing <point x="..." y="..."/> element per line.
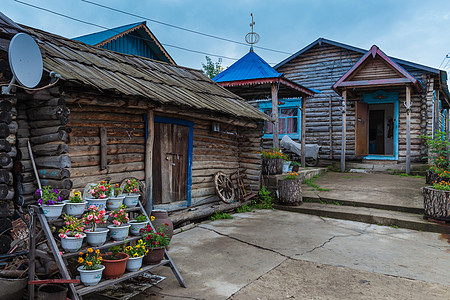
<point x="366" y="101"/>
<point x="133" y="39"/>
<point x="113" y="115"/>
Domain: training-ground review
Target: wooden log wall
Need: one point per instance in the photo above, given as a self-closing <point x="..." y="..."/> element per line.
<point x="319" y="68"/>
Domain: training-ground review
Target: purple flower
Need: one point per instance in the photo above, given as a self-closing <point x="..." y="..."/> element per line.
<point x="55" y="191"/>
<point x="38" y="192"/>
<point x="50" y="202"/>
<point x="39" y="201"/>
<point x="59" y="198"/>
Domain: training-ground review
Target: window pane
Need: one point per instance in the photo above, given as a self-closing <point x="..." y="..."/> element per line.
<point x="291" y="126"/>
<point x="288" y="112"/>
<point x="268" y="127"/>
<point x="281" y="125"/>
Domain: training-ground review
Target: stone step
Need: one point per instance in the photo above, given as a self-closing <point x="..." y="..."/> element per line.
<point x="368" y="215"/>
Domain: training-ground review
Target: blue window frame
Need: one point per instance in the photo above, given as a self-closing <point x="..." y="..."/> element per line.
<point x="289" y="118"/>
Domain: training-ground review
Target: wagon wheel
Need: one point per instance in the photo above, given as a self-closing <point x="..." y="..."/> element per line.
<point x="224" y="187"/>
<point x="141" y="189"/>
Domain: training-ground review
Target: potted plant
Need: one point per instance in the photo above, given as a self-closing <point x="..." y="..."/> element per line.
<point x="115" y="262"/>
<point x="116" y="198"/>
<point x="136" y="254"/>
<point x="131" y="190"/>
<point x="272" y="163"/>
<point x="155" y="241"/>
<point x="436" y="200"/>
<point x="138" y="223"/>
<point x="50" y="201"/>
<point x="75" y="206"/>
<point x="438" y="163"/>
<point x="91" y="268"/>
<point x="99" y="194"/>
<point x="72" y="234"/>
<point x="295" y="166"/>
<point x="119" y="229"/>
<point x="95" y="217"/>
<point x="290" y="189"/>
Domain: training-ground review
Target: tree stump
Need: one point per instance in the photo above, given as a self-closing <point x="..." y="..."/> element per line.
<point x="436" y="203"/>
<point x="272" y="166"/>
<point x="290" y="191"/>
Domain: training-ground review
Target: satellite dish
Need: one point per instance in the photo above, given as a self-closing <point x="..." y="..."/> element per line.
<point x="25" y="60"/>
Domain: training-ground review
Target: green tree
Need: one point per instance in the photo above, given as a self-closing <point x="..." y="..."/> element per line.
<point x="212" y="69"/>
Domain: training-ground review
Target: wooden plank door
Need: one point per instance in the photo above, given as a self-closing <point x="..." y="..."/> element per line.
<point x="170" y="155"/>
<point x="362" y="129"/>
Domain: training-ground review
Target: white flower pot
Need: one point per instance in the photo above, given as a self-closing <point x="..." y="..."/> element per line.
<point x="131" y="200"/>
<point x="119" y="233"/>
<point x="134" y="263"/>
<point x="52" y="212"/>
<point x="90" y="277"/>
<point x="114" y="202"/>
<point x="96" y="238"/>
<point x="136" y="227"/>
<point x="74" y="209"/>
<point x="99" y="203"/>
<point x="71" y="243"/>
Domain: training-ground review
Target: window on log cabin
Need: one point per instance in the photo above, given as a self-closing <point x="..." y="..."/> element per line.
<point x="288" y="121"/>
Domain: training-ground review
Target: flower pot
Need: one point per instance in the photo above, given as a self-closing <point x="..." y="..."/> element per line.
<point x="290" y="191"/>
<point x="74" y="209"/>
<point x="436" y="203"/>
<point x="136" y="227"/>
<point x="154" y="256"/>
<point x="134" y="263"/>
<point x="52" y="291"/>
<point x="71" y="243"/>
<point x="272" y="166"/>
<point x="99" y="203"/>
<point x="162" y="217"/>
<point x="119" y="233"/>
<point x="90" y="277"/>
<point x="114" y="202"/>
<point x="12" y="288"/>
<point x="131" y="200"/>
<point x="96" y="238"/>
<point x="52" y="212"/>
<point x="114" y="268"/>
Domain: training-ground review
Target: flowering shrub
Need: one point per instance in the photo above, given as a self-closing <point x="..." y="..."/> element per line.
<point x="441" y="185"/>
<point x="137" y="250"/>
<point x="291" y="175"/>
<point x="131" y="186"/>
<point x="155" y="239"/>
<point x="91" y="260"/>
<point x="101" y="190"/>
<point x="117" y="190"/>
<point x="94" y="217"/>
<point x="273" y="153"/>
<point x="119" y="216"/>
<point x="73" y="227"/>
<point x="49" y="196"/>
<point x="76" y="198"/>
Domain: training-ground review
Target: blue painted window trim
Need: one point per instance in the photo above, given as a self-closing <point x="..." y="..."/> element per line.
<point x="388" y="97"/>
<point x="189" y="124"/>
<point x="288" y="103"/>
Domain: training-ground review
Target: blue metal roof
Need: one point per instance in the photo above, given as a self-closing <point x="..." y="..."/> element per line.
<point x="250" y="66"/>
<point x="98" y="37"/>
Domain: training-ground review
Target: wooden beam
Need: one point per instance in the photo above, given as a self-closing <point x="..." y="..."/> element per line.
<point x="149" y="161"/>
<point x="103" y="148"/>
<point x="408" y="129"/>
<point x="303" y="133"/>
<point x="344" y="129"/>
<point x="330" y="124"/>
<point x="276" y="141"/>
<point x="374" y="82"/>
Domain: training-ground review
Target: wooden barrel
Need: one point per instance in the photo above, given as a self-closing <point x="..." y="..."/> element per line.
<point x="436" y="203"/>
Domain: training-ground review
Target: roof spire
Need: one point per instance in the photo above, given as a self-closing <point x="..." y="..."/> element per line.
<point x="252" y="37"/>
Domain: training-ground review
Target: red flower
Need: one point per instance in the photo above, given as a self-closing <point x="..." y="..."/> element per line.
<point x="166" y="224"/>
<point x="147" y="238"/>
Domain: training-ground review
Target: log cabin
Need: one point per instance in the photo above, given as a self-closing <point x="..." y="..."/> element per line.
<point x="366" y="102"/>
<point x="114" y="115"/>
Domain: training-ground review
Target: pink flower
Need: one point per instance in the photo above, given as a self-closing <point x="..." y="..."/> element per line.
<point x="115" y="216"/>
<point x="117" y="223"/>
<point x="92" y="191"/>
<point x="67" y="223"/>
<point x="62" y="235"/>
<point x="78" y="235"/>
<point x="128" y="181"/>
<point x="135" y="190"/>
<point x="102" y="196"/>
<point x="90" y="217"/>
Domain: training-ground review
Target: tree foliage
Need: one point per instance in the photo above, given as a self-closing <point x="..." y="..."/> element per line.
<point x="211" y="69"/>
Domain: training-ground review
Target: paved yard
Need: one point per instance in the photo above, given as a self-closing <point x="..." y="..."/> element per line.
<point x="277" y="255"/>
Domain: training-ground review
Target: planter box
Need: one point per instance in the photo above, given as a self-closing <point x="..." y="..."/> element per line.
<point x="436" y="203"/>
<point x="290" y="191"/>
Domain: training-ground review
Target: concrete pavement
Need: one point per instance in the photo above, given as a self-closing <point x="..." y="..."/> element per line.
<point x="276" y="254"/>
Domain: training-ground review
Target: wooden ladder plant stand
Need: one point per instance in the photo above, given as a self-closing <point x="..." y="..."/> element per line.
<point x="77" y="291"/>
<point x="244" y="190"/>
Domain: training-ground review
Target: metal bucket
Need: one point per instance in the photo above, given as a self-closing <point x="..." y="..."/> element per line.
<point x="12" y="289"/>
<point x="52" y="291"/>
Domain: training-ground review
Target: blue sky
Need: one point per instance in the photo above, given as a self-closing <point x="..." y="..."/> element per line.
<point x="408" y="29"/>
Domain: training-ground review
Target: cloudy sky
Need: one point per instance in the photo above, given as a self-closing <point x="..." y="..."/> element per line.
<point x="414" y="30"/>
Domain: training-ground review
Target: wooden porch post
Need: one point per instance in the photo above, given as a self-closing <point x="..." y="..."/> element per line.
<point x="149" y="161"/>
<point x="408" y="129"/>
<point x="344" y="129"/>
<point x="303" y="134"/>
<point x="276" y="141"/>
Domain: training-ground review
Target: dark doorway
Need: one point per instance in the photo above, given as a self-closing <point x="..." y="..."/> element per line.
<point x="376" y="132"/>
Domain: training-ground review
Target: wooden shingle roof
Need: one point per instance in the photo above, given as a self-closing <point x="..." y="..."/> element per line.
<point x="108" y="71"/>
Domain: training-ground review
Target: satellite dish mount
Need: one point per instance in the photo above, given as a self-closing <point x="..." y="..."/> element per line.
<point x="25" y="61"/>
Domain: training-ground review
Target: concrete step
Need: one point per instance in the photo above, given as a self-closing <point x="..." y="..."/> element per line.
<point x="368" y="215"/>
